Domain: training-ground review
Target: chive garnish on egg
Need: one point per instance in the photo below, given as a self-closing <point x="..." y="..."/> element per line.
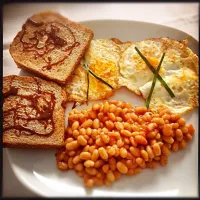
<point x="154" y="71"/>
<point x="97" y="77"/>
<point x="88" y="82"/>
<point x="154" y="82"/>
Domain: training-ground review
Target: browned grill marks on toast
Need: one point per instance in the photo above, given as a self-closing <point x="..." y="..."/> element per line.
<point x="48" y="32"/>
<point x="43" y="114"/>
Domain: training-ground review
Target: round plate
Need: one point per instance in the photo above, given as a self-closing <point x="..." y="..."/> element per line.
<point x="36" y="168"/>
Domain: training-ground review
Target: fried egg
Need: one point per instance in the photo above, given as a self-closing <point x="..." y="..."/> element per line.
<point x="179" y="69"/>
<point x="102" y="58"/>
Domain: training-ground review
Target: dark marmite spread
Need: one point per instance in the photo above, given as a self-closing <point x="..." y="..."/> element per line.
<point x="44" y="39"/>
<point x="28" y="111"/>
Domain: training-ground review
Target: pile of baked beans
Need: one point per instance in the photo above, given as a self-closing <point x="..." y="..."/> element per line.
<point x="114" y="138"/>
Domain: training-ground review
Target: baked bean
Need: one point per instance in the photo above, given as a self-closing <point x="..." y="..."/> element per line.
<point x="122" y="167"/>
<point x="119" y="126"/>
<point x="184" y="130"/>
<point x="87" y="123"/>
<point x="103" y="154"/>
<point x="82" y="131"/>
<point x="140" y="110"/>
<point x="175" y="117"/>
<point x="98" y="163"/>
<point x="106" y="107"/>
<point x="81" y="140"/>
<point x="95" y="106"/>
<point x="133" y="142"/>
<point x="158" y="136"/>
<point x="167" y="130"/>
<point x="75" y="133"/>
<point x="89" y="183"/>
<point x="113" y="167"/>
<point x="126" y="133"/>
<point x="86" y="148"/>
<point x="156" y="149"/>
<point x="70" y="163"/>
<point x="169" y="140"/>
<point x="191" y="129"/>
<point x="117" y="174"/>
<point x="80" y="173"/>
<point x="100" y="116"/>
<point x="85" y="156"/>
<point x="188" y="137"/>
<point x="151" y="134"/>
<point x="75" y="125"/>
<point x="150" y="151"/>
<point x="109" y="125"/>
<point x="175" y="125"/>
<point x="105" y="168"/>
<point x="112" y="117"/>
<point x="70" y="131"/>
<point x="76" y="159"/>
<point x="62" y="166"/>
<point x="99" y="142"/>
<point x="166" y="117"/>
<point x="152" y="141"/>
<point x="163" y="160"/>
<point x="79" y="167"/>
<point x="178" y="133"/>
<point x="110" y="176"/>
<point x="140" y="139"/>
<point x="86" y="137"/>
<point x="175" y="147"/>
<point x="60" y="156"/>
<point x="139" y="161"/>
<point x="118" y="119"/>
<point x="182" y="144"/>
<point x="135" y="151"/>
<point x="181" y="122"/>
<point x="72" y="145"/>
<point x="98" y="182"/>
<point x="158" y="121"/>
<point x="165" y="150"/>
<point x="137" y="170"/>
<point x="127" y="126"/>
<point x="112" y="108"/>
<point x="92" y="171"/>
<point x="123" y="152"/>
<point x="152" y="164"/>
<point x="89" y="163"/>
<point x="145" y="155"/>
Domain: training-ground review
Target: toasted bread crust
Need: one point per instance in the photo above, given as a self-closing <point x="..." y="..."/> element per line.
<point x="61" y="69"/>
<point x="53" y="140"/>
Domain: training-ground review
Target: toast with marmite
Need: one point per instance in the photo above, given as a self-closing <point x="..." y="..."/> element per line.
<point x="50" y="45"/>
<point x="33" y="113"/>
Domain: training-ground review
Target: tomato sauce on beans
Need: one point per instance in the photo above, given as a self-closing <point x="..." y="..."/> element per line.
<point x="114" y="138"/>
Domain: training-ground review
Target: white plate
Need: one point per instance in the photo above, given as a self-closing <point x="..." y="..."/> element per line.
<point x="37" y="170"/>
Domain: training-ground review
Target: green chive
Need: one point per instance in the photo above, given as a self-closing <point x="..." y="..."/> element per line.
<point x="154" y="71"/>
<point x="101" y="79"/>
<point x="88" y="82"/>
<point x="154" y="82"/>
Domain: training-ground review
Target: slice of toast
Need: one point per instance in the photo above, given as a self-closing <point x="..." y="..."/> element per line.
<point x="50" y="45"/>
<point x="33" y="113"/>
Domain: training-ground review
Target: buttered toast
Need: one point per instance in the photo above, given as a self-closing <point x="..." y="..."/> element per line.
<point x="50" y="45"/>
<point x="33" y="113"/>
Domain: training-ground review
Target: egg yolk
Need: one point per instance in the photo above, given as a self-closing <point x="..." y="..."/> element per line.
<point x="154" y="62"/>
